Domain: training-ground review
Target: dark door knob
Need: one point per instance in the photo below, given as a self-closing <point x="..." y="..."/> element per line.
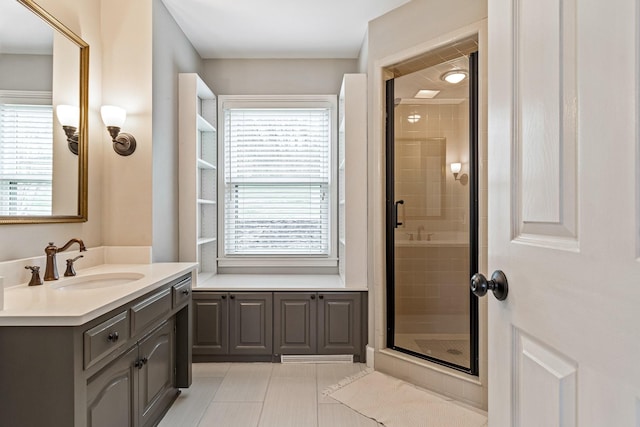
<point x="498" y="284"/>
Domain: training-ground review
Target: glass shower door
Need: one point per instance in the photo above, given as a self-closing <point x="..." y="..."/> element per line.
<point x="432" y="215"/>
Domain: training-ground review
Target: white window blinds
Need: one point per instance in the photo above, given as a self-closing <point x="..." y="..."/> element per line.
<point x="26" y="158"/>
<point x="276" y="177"/>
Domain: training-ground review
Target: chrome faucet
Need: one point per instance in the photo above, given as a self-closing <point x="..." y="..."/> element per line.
<point x="420" y="228"/>
<point x="51" y="270"/>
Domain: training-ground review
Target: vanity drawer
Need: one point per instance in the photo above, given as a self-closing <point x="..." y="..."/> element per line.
<point x="181" y="292"/>
<point x="107" y="336"/>
<point x="150" y="309"/>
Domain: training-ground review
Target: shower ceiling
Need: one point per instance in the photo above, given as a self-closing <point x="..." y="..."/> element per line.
<point x="430" y="78"/>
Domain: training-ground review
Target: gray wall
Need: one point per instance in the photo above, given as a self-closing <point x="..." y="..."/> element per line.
<point x="276" y="76"/>
<point x="26" y="72"/>
<point x="172" y="54"/>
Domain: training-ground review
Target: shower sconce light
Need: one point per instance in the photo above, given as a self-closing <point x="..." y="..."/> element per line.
<point x="454" y="76"/>
<point x="114" y="117"/>
<point x="414" y="117"/>
<point x="455" y="169"/>
<point x="69" y="116"/>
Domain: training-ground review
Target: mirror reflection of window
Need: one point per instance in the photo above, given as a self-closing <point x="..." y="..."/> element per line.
<point x="26" y="158"/>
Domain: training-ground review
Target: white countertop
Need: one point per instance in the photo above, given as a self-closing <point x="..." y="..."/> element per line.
<point x="274" y="282"/>
<point x="47" y="305"/>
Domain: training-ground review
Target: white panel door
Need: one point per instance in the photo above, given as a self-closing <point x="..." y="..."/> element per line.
<point x="564" y="185"/>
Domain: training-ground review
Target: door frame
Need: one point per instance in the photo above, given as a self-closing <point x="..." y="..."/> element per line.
<point x="439" y="378"/>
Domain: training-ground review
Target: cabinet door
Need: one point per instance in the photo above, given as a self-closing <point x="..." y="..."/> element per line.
<point x="339" y="321"/>
<point x="111" y="393"/>
<point x="294" y="323"/>
<point x="156" y="362"/>
<point x="210" y="323"/>
<point x="251" y="323"/>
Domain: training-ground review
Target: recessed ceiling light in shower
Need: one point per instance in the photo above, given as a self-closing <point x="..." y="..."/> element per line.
<point x="426" y="93"/>
<point x="454" y="76"/>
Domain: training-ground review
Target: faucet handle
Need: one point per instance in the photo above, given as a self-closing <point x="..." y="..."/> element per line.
<point x="70" y="271"/>
<point x="35" y="275"/>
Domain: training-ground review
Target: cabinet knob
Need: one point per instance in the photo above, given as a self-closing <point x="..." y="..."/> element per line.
<point x="232" y="296"/>
<point x="185" y="292"/>
<point x="113" y="337"/>
<point x="224" y="297"/>
<point x="321" y="296"/>
<point x="140" y="363"/>
<point x="313" y="297"/>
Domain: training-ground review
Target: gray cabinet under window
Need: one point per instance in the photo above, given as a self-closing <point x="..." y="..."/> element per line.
<point x="262" y="326"/>
<point x="232" y="326"/>
<point x="318" y="323"/>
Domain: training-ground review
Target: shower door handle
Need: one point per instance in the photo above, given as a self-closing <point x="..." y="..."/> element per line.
<point x="498" y="284"/>
<point x="395" y="219"/>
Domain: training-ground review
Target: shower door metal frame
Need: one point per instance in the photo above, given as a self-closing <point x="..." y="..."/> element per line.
<point x="391" y="220"/>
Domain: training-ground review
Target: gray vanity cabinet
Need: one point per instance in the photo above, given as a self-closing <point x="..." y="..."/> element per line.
<point x="136" y="385"/>
<point x="235" y="324"/>
<point x="318" y="323"/>
<point x="156" y="373"/>
<point x="111" y="394"/>
<point x="123" y="368"/>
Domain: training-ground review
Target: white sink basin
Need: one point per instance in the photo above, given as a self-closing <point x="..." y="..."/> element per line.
<point x="96" y="281"/>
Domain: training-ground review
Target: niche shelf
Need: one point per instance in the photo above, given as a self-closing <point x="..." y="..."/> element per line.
<point x="197" y="174"/>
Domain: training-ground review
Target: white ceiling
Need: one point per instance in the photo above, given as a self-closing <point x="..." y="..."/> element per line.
<point x="23" y="32"/>
<point x="277" y="28"/>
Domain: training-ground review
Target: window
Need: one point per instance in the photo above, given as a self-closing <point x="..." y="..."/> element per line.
<point x="278" y="198"/>
<point x="26" y="159"/>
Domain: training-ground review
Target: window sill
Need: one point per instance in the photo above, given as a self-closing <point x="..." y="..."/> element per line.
<point x="275" y="282"/>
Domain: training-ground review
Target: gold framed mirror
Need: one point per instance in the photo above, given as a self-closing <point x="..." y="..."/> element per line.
<point x="43" y="166"/>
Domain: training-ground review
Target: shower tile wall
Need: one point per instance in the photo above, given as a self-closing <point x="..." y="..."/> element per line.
<point x="431" y="278"/>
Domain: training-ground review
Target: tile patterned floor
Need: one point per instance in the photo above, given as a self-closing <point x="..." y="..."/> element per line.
<point x="264" y="395"/>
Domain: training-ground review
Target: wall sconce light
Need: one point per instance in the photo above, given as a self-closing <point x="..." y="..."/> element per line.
<point x="69" y="117"/>
<point x="114" y="117"/>
<point x="455" y="169"/>
<point x="414" y="117"/>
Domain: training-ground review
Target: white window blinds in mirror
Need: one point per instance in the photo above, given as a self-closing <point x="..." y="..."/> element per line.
<point x="277" y="181"/>
<point x="26" y="158"/>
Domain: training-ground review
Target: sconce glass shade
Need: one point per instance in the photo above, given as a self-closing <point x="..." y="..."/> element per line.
<point x="113" y="116"/>
<point x="456" y="167"/>
<point x="413" y="117"/>
<point x="68" y="115"/>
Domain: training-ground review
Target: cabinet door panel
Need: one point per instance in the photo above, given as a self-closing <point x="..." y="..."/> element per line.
<point x="111" y="393"/>
<point x="210" y="323"/>
<point x="156" y="374"/>
<point x="251" y="326"/>
<point x="339" y="322"/>
<point x="294" y="323"/>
